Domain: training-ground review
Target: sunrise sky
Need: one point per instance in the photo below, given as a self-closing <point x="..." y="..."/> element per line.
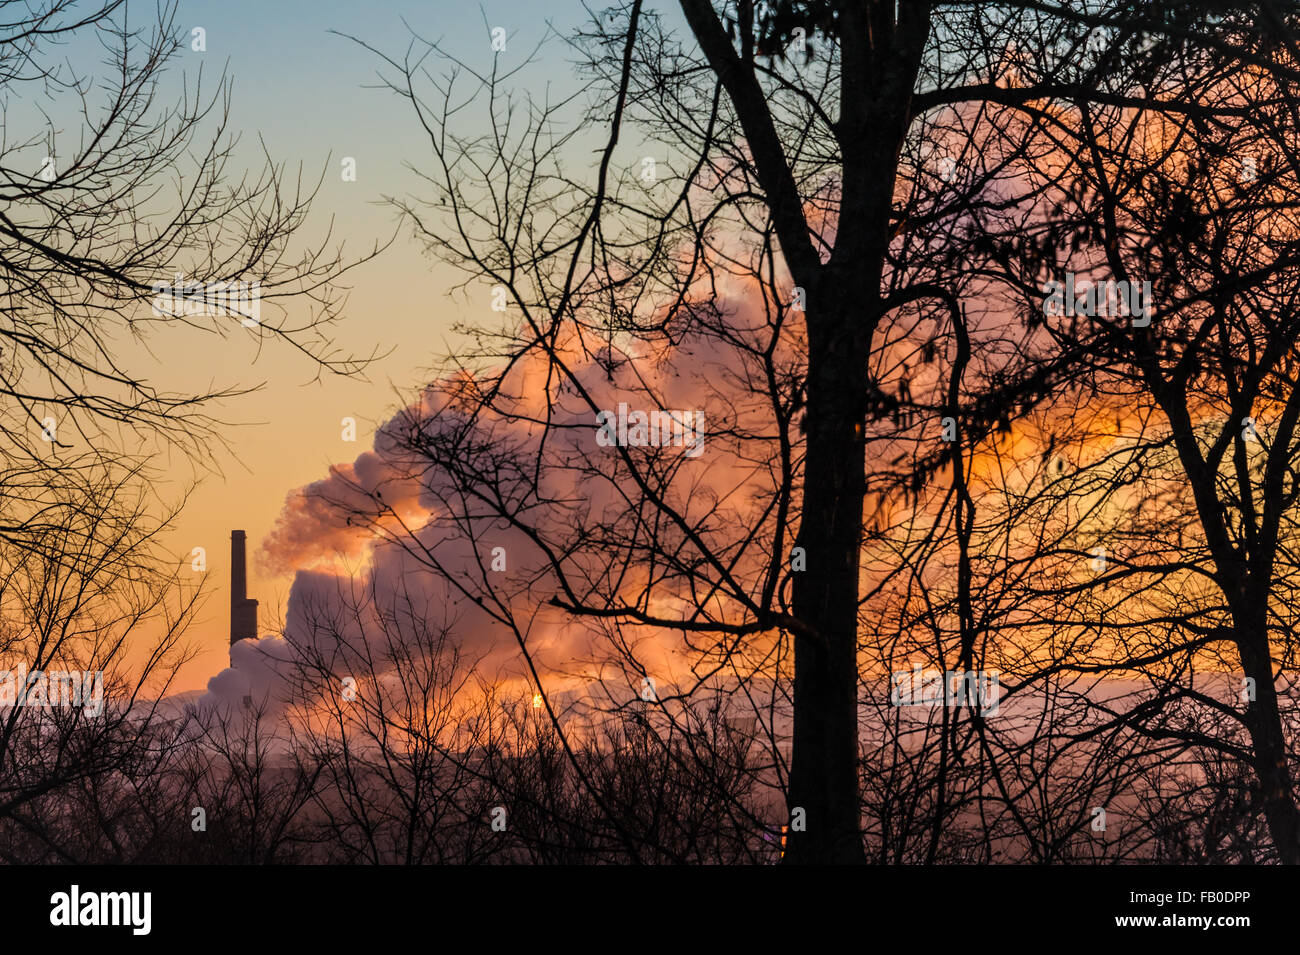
<point x="808" y="361"/>
<point x="312" y="98"/>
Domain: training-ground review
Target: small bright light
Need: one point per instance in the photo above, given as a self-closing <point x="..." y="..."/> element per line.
<point x="537" y="701"/>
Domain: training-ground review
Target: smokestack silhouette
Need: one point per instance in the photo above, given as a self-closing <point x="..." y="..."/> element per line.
<point x="243" y="612"/>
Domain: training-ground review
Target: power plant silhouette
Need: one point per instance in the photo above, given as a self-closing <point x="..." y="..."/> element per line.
<point x="243" y="611"/>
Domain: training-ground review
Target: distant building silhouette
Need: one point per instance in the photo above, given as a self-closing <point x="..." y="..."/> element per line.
<point x="243" y="612"/>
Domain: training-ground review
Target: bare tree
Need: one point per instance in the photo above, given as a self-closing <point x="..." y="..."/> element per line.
<point x="120" y="214"/>
<point x="777" y="155"/>
<point x="123" y="214"/>
<point x="381" y="692"/>
<point x="92" y="634"/>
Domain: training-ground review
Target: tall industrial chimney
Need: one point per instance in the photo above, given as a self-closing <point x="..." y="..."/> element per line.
<point x="243" y="612"/>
